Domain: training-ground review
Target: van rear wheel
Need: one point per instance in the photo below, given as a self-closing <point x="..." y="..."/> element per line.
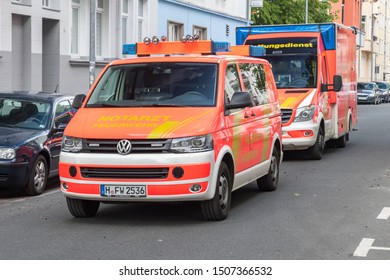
<point x="269" y="182"/>
<point x="217" y="208"/>
<point x="82" y="208"/>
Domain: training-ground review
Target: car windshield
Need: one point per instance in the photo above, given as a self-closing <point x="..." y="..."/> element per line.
<point x="24" y="113"/>
<point x="364" y="86"/>
<point x="294" y="71"/>
<point x="382" y="85"/>
<point x="157" y="85"/>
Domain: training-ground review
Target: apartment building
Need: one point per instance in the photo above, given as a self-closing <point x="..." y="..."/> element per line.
<point x="375" y="54"/>
<point x="45" y="44"/>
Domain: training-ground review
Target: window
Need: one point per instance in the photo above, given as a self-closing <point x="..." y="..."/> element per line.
<point x="175" y="31"/>
<point x="74" y="49"/>
<point x="253" y="76"/>
<point x="364" y="18"/>
<point x="141" y="21"/>
<point x="63" y="113"/>
<point x="201" y="31"/>
<point x="157" y="84"/>
<point x="232" y="82"/>
<point x="99" y="27"/>
<point x="46" y="3"/>
<point x="125" y="17"/>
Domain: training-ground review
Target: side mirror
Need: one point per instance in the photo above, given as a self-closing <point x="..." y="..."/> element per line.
<point x="337" y="82"/>
<point x="240" y="99"/>
<point x="78" y="101"/>
<point x="60" y="127"/>
<point x="336" y="86"/>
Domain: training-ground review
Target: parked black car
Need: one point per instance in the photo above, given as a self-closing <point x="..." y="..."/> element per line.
<point x="385" y="90"/>
<point x="368" y="92"/>
<point x="31" y="130"/>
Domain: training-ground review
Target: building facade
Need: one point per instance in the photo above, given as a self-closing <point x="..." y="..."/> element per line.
<point x="375" y="55"/>
<point x="45" y="44"/>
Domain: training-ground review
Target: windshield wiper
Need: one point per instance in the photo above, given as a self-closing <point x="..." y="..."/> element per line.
<point x="165" y="105"/>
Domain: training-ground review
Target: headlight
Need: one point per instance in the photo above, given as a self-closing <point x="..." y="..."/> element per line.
<point x="304" y="114"/>
<point x="371" y="95"/>
<point x="192" y="144"/>
<point x="71" y="144"/>
<point x="7" y="153"/>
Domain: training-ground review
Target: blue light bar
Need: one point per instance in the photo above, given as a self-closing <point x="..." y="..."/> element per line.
<point x="257" y="51"/>
<point x="327" y="30"/>
<point x="129" y="49"/>
<point x="220" y="47"/>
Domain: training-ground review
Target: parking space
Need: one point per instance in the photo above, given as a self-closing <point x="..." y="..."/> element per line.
<point x="370" y="246"/>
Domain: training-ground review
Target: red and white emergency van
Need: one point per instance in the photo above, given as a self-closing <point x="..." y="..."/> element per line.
<point x="180" y="121"/>
<point x="314" y="66"/>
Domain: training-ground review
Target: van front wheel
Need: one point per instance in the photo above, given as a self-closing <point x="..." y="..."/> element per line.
<point x="217" y="208"/>
<point x="317" y="150"/>
<point x="82" y="208"/>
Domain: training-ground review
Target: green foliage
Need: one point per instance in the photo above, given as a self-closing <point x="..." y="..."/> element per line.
<point x="292" y="12"/>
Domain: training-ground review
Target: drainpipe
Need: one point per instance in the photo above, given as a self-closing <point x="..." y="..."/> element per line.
<point x="92" y="58"/>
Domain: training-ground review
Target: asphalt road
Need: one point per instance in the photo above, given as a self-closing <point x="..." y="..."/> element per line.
<point x="332" y="209"/>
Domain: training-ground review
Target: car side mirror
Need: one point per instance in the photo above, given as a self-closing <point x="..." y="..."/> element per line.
<point x="60" y="127"/>
<point x="240" y="99"/>
<point x="78" y="101"/>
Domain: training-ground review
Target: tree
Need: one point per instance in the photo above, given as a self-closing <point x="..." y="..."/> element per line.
<point x="292" y="11"/>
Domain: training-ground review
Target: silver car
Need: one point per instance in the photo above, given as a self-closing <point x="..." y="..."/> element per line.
<point x="368" y="92"/>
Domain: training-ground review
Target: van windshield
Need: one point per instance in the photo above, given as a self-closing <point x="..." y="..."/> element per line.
<point x="294" y="71"/>
<point x="157" y="85"/>
<point x="293" y="60"/>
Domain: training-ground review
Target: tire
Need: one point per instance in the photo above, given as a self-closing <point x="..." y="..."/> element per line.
<point x="317" y="150"/>
<point x="82" y="208"/>
<point x="341" y="142"/>
<point x="217" y="208"/>
<point x="269" y="182"/>
<point x="38" y="177"/>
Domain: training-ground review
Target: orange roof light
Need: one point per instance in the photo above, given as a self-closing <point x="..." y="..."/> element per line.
<point x="189" y="45"/>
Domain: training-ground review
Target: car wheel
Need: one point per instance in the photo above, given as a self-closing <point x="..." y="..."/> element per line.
<point x="38" y="176"/>
<point x="317" y="150"/>
<point x="269" y="182"/>
<point x="82" y="208"/>
<point x="217" y="208"/>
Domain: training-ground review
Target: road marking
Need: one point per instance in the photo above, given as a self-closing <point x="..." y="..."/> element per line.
<point x="365" y="246"/>
<point x="385" y="214"/>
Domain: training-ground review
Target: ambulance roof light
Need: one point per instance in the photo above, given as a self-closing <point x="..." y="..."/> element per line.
<point x="256" y="51"/>
<point x="147" y="40"/>
<point x="193" y="47"/>
<point x="155" y="40"/>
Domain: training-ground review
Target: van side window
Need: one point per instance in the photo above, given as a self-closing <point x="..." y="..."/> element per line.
<point x="232" y="82"/>
<point x="253" y="76"/>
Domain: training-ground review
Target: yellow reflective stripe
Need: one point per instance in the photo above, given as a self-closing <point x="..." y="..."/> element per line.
<point x="183" y="123"/>
<point x="288" y="102"/>
<point x="161" y="130"/>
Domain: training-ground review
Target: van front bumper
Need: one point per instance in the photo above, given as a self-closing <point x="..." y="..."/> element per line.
<point x="165" y="177"/>
<point x="299" y="136"/>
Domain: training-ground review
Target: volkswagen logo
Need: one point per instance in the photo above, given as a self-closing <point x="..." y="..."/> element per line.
<point x="123" y="147"/>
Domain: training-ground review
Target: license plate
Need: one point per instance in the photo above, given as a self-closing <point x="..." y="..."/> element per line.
<point x="123" y="191"/>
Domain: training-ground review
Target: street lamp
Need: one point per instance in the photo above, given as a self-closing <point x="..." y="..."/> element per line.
<point x="307" y="12"/>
